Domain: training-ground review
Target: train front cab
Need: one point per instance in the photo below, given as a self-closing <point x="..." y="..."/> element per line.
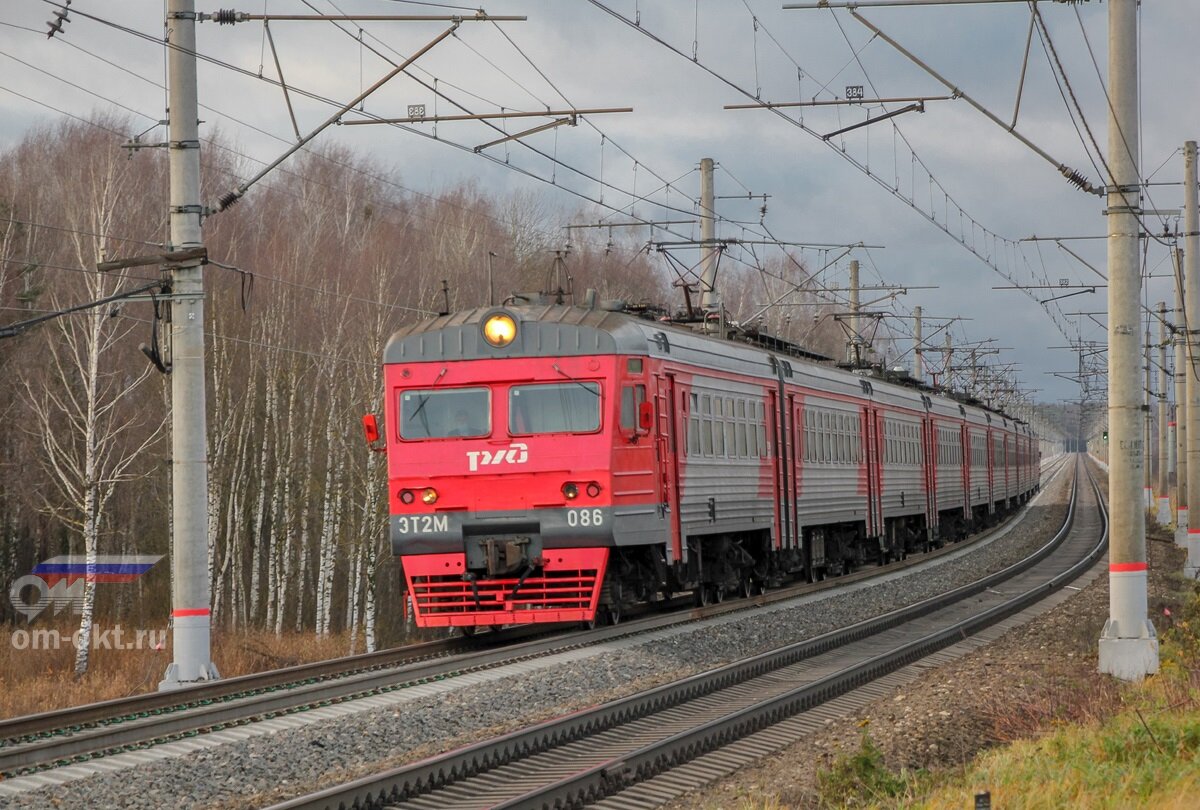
<point x="503" y="480"/>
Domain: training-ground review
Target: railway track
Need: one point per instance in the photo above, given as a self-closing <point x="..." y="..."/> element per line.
<point x="40" y="743"/>
<point x="590" y="756"/>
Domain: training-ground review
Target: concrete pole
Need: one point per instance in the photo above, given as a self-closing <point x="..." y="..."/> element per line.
<point x="949" y="360"/>
<point x="918" y="365"/>
<point x="189" y="443"/>
<point x="1128" y="645"/>
<point x="1164" y="443"/>
<point x="1147" y="422"/>
<point x="1191" y="312"/>
<point x="491" y="280"/>
<point x="710" y="300"/>
<point x="1181" y="366"/>
<point x="1172" y="462"/>
<point x="856" y="344"/>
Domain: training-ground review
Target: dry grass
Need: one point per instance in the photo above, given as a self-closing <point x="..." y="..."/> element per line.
<point x="41" y="680"/>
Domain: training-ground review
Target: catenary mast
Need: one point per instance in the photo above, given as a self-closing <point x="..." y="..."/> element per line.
<point x="1128" y="645"/>
<point x="190" y="597"/>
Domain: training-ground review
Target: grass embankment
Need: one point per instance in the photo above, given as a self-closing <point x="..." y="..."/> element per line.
<point x="40" y="679"/>
<point x="1109" y="746"/>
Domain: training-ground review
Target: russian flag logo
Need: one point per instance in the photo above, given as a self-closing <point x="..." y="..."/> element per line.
<point x="103" y="568"/>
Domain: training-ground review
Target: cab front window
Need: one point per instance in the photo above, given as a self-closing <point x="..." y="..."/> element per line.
<point x="445" y="413"/>
<point x="572" y="407"/>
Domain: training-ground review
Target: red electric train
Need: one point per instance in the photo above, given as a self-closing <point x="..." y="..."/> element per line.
<point x="553" y="463"/>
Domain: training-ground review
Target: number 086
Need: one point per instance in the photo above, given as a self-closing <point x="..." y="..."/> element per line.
<point x="585" y="517"/>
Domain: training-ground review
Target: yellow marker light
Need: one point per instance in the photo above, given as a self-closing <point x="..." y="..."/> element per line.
<point x="429" y="496"/>
<point x="499" y="330"/>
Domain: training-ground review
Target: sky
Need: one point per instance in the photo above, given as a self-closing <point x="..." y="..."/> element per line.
<point x="935" y="197"/>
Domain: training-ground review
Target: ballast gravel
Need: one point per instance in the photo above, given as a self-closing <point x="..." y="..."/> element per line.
<point x="272" y="767"/>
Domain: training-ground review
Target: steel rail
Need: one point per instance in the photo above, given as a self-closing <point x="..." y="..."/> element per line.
<point x="616" y="774"/>
<point x="38" y="742"/>
<point x="37" y="725"/>
<point x="416" y="779"/>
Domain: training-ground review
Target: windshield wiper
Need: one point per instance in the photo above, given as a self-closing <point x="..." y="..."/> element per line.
<point x="421" y="406"/>
<point x="580" y="383"/>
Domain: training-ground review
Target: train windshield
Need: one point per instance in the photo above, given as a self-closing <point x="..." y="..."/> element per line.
<point x="445" y="413"/>
<point x="572" y="407"/>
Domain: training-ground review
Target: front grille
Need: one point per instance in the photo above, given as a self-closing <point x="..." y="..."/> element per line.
<point x="566" y="588"/>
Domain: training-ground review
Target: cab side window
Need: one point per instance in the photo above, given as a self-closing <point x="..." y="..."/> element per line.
<point x="632" y="396"/>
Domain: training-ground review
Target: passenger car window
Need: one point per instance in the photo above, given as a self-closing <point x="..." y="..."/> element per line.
<point x="445" y="413"/>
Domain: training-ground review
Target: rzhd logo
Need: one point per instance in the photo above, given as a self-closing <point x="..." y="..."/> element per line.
<point x="515" y="453"/>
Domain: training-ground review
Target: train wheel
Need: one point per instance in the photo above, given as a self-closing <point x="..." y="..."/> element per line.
<point x="702" y="596"/>
<point x="598" y="621"/>
<point x="747" y="587"/>
<point x="718" y="594"/>
<point x="615" y="613"/>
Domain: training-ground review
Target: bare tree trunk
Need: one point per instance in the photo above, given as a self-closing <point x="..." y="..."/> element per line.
<point x="371" y="584"/>
<point x="353" y="587"/>
<point x="283" y="511"/>
<point x="90" y="543"/>
<point x="329" y="526"/>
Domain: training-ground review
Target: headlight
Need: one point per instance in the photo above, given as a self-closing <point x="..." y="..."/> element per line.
<point x="499" y="329"/>
<point x="570" y="491"/>
<point x="429" y="496"/>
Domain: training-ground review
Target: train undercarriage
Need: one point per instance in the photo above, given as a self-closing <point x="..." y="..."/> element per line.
<point x="744" y="564"/>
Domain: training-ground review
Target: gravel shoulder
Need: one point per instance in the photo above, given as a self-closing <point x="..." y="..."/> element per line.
<point x="269" y="768"/>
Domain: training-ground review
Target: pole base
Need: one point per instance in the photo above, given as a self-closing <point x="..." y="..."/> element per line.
<point x="1191" y="568"/>
<point x="171" y="678"/>
<point x="1129" y="659"/>
<point x="1181" y="527"/>
<point x="1164" y="512"/>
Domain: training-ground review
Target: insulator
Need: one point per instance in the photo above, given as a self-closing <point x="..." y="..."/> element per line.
<point x="225" y="16"/>
<point x="1075" y="178"/>
<point x="228" y="200"/>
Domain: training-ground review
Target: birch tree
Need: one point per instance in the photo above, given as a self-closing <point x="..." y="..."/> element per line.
<point x="92" y="429"/>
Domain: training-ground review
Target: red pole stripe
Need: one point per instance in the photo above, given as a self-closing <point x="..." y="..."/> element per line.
<point x="191" y="612"/>
<point x="1128" y="566"/>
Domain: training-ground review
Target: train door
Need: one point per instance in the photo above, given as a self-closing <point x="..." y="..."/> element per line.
<point x="990" y="441"/>
<point x="929" y="450"/>
<point x="667" y="445"/>
<point x="873" y="455"/>
<point x="795" y="439"/>
<point x="965" y="457"/>
<point x="784" y="508"/>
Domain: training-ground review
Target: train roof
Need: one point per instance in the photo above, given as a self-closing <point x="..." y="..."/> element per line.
<point x="561" y="330"/>
<point x="554" y="329"/>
